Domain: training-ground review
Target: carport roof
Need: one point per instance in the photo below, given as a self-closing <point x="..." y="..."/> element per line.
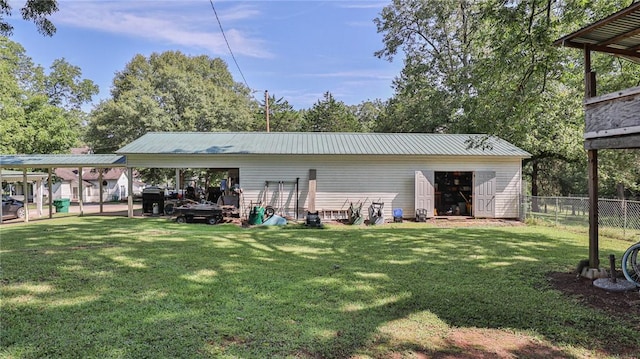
<point x="17" y="176"/>
<point x="617" y="34"/>
<point x="56" y="161"/>
<point x="318" y="143"/>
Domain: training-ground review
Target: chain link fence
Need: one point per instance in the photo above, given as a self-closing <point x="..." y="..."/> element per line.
<point x="616" y="217"/>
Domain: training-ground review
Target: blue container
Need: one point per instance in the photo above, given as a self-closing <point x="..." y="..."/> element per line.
<point x="397" y="213"/>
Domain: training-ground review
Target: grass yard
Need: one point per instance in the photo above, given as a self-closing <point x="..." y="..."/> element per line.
<point x="112" y="287"/>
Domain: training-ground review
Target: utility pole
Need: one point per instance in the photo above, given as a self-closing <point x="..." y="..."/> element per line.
<point x="266" y="107"/>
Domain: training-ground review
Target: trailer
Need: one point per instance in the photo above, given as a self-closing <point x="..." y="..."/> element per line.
<point x="186" y="214"/>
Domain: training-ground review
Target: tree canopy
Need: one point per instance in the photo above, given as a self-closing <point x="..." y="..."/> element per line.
<point x="33" y="10"/>
<point x="41" y="113"/>
<point x="330" y="115"/>
<point x="491" y="67"/>
<point x="169" y="91"/>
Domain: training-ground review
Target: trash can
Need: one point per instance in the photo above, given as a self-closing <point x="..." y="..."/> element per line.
<point x="62" y="205"/>
<point x="256" y="215"/>
<point x="397" y="214"/>
<point x="152" y="197"/>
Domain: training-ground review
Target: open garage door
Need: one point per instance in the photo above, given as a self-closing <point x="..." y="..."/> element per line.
<point x="424" y="191"/>
<point x="484" y="194"/>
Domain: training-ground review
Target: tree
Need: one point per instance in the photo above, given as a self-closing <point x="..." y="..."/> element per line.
<point x="33" y="119"/>
<point x="490" y="67"/>
<point x="367" y="113"/>
<point x="282" y="116"/>
<point x="33" y="10"/>
<point x="329" y="115"/>
<point x="169" y="92"/>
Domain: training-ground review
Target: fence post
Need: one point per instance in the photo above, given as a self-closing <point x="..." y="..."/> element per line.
<point x="556" y="211"/>
<point x="624" y="209"/>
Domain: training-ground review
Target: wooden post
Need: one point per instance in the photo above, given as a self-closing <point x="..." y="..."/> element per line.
<point x="130" y="192"/>
<point x="178" y="181"/>
<point x="589" y="75"/>
<point x="101" y="189"/>
<point x="49" y="183"/>
<point x="25" y="191"/>
<point x="1" y="193"/>
<point x="590" y="91"/>
<point x="312" y="190"/>
<point x="594" y="261"/>
<point x="266" y="107"/>
<point x="40" y="187"/>
<point x="80" y="191"/>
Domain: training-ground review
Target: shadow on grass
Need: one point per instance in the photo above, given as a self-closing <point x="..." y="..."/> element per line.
<point x="111" y="287"/>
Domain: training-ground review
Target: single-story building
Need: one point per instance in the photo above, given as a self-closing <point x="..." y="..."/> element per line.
<point x="296" y="173"/>
<point x="114" y="184"/>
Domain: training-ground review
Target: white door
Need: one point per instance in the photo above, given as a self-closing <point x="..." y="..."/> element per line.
<point x="484" y="194"/>
<point x="424" y="191"/>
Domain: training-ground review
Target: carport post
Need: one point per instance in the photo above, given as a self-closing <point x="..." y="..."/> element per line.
<point x="177" y="180"/>
<point x="101" y="187"/>
<point x="40" y="187"/>
<point x="26" y="196"/>
<point x="50" y="194"/>
<point x="129" y="192"/>
<point x="1" y="193"/>
<point x="80" y="190"/>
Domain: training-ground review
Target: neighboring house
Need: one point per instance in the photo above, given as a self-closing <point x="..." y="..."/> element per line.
<point x="114" y="184"/>
<point x="438" y="174"/>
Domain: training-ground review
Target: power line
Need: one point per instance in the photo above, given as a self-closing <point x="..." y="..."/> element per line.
<point x="229" y="47"/>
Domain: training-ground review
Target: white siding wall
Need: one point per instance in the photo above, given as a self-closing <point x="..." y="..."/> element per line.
<point x="61" y="190"/>
<point x="346" y="178"/>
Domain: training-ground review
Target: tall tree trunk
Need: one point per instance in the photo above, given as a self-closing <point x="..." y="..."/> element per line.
<point x="534" y="187"/>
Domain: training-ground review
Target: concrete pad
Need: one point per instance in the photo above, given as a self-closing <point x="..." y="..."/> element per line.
<point x="620" y="285"/>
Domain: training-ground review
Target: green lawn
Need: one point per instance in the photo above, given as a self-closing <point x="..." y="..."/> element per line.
<point x="112" y="287"/>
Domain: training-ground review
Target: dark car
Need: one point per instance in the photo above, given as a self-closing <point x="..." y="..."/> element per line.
<point x="12" y="208"/>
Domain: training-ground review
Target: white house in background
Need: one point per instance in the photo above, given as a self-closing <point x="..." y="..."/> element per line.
<point x="114" y="184"/>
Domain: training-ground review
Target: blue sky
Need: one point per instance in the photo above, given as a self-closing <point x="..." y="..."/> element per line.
<point x="296" y="50"/>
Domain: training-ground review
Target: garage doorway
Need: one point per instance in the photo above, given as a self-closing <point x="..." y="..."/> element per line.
<point x="453" y="193"/>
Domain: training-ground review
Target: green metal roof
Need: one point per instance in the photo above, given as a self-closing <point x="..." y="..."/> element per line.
<point x="318" y="143"/>
<point x="46" y="161"/>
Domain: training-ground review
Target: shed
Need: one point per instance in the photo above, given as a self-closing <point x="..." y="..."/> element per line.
<point x="296" y="173"/>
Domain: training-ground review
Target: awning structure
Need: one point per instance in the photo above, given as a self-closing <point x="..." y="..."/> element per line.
<point x="612" y="121"/>
<point x="57" y="161"/>
<point x="49" y="161"/>
<point x="616" y="34"/>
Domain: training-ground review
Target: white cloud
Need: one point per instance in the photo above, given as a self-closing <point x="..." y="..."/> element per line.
<point x="183" y="23"/>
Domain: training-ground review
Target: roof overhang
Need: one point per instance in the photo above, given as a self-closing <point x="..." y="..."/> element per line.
<point x="617" y="34"/>
<point x="59" y="161"/>
<point x="18" y="176"/>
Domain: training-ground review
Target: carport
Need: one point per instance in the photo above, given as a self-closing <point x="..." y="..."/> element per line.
<point x="26" y="178"/>
<point x="49" y="162"/>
